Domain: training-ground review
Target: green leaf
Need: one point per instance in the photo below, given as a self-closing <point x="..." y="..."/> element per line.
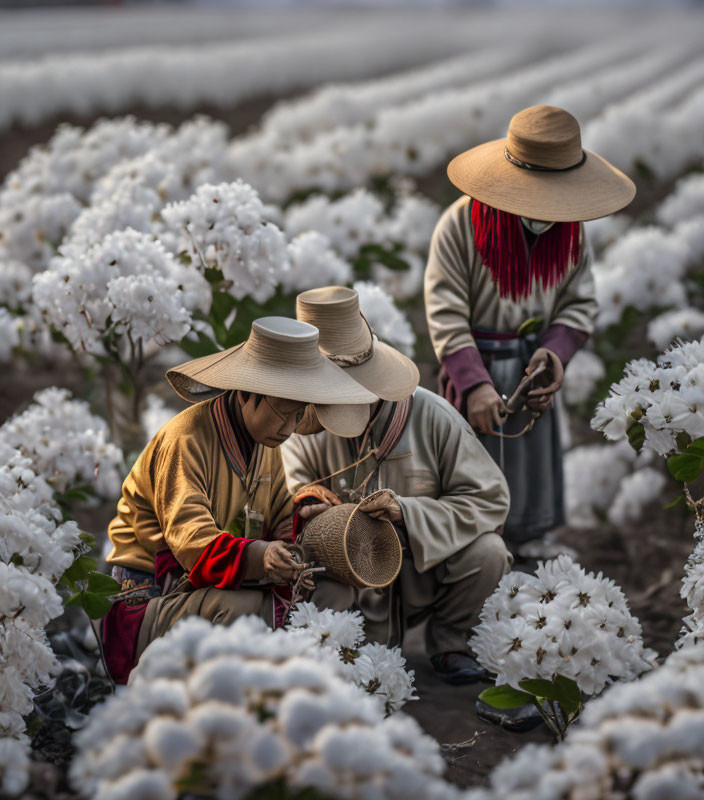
<point x="696" y="448"/>
<point x="684" y="440"/>
<point x="636" y="436"/>
<point x="80" y="569"/>
<point x="685" y="467"/>
<point x="213" y="275"/>
<point x="203" y="346"/>
<point x="95" y="605"/>
<point x="569" y="696"/>
<point x="74" y="600"/>
<point x="102" y="584"/>
<point x="223" y="304"/>
<point x="505" y="697"/>
<point x="562" y="690"/>
<point x="88" y="539"/>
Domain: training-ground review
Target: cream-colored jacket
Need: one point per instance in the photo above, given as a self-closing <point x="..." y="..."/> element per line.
<point x="460" y="294"/>
<point x="449" y="487"/>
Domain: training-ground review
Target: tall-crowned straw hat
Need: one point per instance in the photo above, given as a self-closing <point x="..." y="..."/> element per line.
<point x="541" y="171"/>
<point x="281" y="359"/>
<point x="353" y="547"/>
<point x="348" y="341"/>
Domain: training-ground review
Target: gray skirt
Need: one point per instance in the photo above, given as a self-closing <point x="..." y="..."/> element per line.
<point x="532" y="464"/>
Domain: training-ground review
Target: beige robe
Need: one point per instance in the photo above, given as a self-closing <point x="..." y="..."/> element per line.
<point x="449" y="488"/>
<point x="460" y="294"/>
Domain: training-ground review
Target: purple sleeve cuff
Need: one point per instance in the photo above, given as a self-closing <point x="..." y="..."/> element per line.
<point x="466" y="369"/>
<point x="563" y="341"/>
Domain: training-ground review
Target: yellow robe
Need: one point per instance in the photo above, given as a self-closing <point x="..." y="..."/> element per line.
<point x="182" y="494"/>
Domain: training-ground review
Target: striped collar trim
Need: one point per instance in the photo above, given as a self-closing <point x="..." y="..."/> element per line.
<point x="230" y="434"/>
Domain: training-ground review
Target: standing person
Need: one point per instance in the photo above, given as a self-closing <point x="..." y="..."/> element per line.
<point x="509" y="288"/>
<point x="205" y="507"/>
<point x="428" y="474"/>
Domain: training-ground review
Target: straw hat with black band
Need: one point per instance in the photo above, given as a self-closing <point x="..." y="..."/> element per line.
<point x="349" y="342"/>
<point x="540" y="171"/>
<point x="280" y="359"/>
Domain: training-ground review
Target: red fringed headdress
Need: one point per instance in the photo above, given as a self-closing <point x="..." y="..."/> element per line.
<point x="500" y="239"/>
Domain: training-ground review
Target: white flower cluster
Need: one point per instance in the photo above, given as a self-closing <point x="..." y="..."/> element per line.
<point x="560" y="621"/>
<point x="376" y="668"/>
<point x="219" y="711"/>
<point x="600" y="482"/>
<point x="225" y="227"/>
<point x="126" y="284"/>
<point x="635" y="493"/>
<point x="645" y="269"/>
<point x="314" y="263"/>
<point x="359" y="219"/>
<point x="692" y="591"/>
<point x="156" y="414"/>
<point x="66" y="443"/>
<point x="686" y="323"/>
<point x="35" y="550"/>
<point x="388" y="322"/>
<point x="666" y="397"/>
<point x="42" y="197"/>
<point x="583" y="373"/>
<point x="640" y="740"/>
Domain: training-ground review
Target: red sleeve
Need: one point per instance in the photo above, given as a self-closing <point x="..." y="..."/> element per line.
<point x="222" y="564"/>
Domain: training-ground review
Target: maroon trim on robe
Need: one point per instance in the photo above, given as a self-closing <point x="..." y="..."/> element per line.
<point x="222" y="564"/>
<point x="564" y="341"/>
<point x="120" y="631"/>
<point x="122" y="623"/>
<point x="462" y="371"/>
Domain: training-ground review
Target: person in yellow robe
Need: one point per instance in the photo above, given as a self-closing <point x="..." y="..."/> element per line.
<point x="205" y="508"/>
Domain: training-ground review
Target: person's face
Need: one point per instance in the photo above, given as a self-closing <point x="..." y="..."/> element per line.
<point x="537" y="226"/>
<point x="270" y="420"/>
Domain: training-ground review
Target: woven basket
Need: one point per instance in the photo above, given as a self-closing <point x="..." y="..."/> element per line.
<point x="353" y="547"/>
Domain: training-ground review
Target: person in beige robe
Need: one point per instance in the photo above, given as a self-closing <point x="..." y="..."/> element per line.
<point x="445" y="494"/>
<point x="509" y="290"/>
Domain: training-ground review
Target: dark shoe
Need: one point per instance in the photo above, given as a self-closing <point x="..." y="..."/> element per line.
<point x="522" y="719"/>
<point x="457" y="668"/>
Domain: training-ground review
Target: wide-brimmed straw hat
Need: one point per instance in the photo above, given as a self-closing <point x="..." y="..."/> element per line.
<point x="348" y="341"/>
<point x="353" y="547"/>
<point x="540" y="171"/>
<point x="281" y="359"/>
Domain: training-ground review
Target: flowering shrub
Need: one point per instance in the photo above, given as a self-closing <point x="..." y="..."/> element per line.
<point x="35" y="549"/>
<point x="657" y="402"/>
<point x="556" y="634"/>
<point x="66" y="444"/>
<point x="661" y="406"/>
<point x="639" y="740"/>
<point x="376" y="668"/>
<point x="221" y="711"/>
<point x="224" y="227"/>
